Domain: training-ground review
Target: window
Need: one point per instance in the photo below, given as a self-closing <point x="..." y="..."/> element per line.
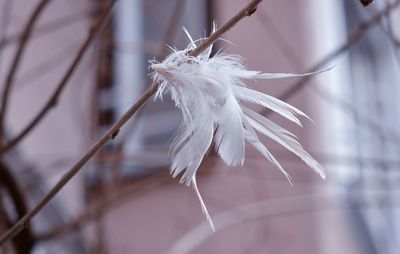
<point x="138" y="32"/>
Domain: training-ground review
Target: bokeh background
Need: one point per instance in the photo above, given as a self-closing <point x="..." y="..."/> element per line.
<point x="124" y="200"/>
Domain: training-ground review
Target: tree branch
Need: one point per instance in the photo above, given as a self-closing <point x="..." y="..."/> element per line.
<point x="52" y="101"/>
<point x="23" y="40"/>
<point x="47" y="28"/>
<point x="113" y="131"/>
<point x="23" y="242"/>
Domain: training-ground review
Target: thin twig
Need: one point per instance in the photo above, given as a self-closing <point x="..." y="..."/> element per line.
<point x="390" y="32"/>
<point x="354" y="37"/>
<point x="24" y="242"/>
<point x="52" y="101"/>
<point x="41" y="68"/>
<point x="284" y="46"/>
<point x="47" y="28"/>
<point x="23" y="40"/>
<point x="114" y="130"/>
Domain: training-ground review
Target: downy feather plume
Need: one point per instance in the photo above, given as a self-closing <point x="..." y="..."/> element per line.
<point x="210" y="91"/>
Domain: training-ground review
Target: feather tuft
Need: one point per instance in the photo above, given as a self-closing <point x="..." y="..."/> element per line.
<point x="210" y="92"/>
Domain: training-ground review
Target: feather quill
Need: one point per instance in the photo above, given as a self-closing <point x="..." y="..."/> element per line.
<point x="210" y="91"/>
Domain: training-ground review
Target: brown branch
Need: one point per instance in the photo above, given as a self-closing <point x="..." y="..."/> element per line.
<point x="52" y="101"/>
<point x="366" y="2"/>
<point x="113" y="131"/>
<point x="23" y="40"/>
<point x="23" y="242"/>
<point x="41" y="68"/>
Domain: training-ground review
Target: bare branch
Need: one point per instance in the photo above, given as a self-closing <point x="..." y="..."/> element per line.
<point x="366" y="2"/>
<point x="52" y="101"/>
<point x="23" y="40"/>
<point x="23" y="242"/>
<point x="48" y="27"/>
<point x="113" y="131"/>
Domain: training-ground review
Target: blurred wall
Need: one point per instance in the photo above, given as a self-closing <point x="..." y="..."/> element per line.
<point x="164" y="211"/>
<point x="155" y="220"/>
<point x="63" y="134"/>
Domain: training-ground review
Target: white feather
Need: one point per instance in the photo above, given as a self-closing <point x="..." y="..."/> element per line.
<point x="229" y="137"/>
<point x="283" y="137"/>
<point x="280" y="107"/>
<point x="252" y="138"/>
<point x="209" y="91"/>
<point x="287" y="75"/>
<point x="203" y="206"/>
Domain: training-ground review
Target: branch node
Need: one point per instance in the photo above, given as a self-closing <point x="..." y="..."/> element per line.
<point x="250" y="12"/>
<point x="114" y="134"/>
<point x="53" y="102"/>
<point x="26" y="224"/>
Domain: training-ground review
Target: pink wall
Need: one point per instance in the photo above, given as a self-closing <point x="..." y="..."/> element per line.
<point x="154" y="220"/>
<point x="63" y="135"/>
